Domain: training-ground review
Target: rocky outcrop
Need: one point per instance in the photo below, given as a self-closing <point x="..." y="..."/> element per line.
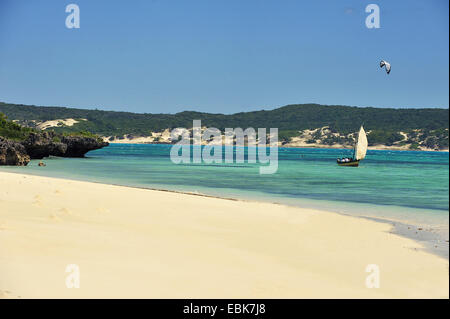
<point x="44" y="144"/>
<point x="40" y="145"/>
<point x="78" y="146"/>
<point x="13" y="153"/>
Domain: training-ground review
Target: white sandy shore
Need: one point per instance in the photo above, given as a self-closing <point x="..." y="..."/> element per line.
<point x="141" y="243"/>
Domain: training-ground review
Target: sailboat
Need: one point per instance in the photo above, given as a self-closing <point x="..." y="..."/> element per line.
<point x="359" y="152"/>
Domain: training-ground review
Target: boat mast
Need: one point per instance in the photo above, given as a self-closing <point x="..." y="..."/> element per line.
<point x="354" y="147"/>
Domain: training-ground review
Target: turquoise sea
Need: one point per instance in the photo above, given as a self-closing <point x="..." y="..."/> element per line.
<point x="408" y="186"/>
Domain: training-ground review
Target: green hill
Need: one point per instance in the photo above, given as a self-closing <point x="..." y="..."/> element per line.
<point x="385" y="124"/>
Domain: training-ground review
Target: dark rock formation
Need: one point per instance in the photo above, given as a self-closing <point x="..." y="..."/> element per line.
<point x="77" y="146"/>
<point x="43" y="144"/>
<point x="13" y="153"/>
<point x="40" y="145"/>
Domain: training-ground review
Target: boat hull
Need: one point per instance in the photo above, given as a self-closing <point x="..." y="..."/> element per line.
<point x="351" y="164"/>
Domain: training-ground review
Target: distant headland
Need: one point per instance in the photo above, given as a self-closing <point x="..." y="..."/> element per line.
<point x="299" y="125"/>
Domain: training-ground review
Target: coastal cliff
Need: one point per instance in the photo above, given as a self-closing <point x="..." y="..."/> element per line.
<point x="38" y="146"/>
<point x="18" y="145"/>
<point x="44" y="144"/>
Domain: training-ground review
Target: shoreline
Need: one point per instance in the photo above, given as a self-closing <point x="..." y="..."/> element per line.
<point x="317" y="146"/>
<point x="191" y="247"/>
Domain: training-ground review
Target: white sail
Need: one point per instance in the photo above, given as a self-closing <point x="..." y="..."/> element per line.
<point x="361" y="145"/>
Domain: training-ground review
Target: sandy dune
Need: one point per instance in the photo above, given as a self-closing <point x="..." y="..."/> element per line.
<point x="130" y="242"/>
<point x="55" y="123"/>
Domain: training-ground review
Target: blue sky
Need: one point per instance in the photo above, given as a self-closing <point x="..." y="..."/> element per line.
<point x="223" y="56"/>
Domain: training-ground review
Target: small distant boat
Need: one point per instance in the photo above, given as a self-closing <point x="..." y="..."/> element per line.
<point x="359" y="152"/>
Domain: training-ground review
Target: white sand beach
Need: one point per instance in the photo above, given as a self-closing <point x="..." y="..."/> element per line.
<point x="137" y="243"/>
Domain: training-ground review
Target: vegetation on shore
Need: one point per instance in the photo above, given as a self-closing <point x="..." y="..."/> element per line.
<point x="13" y="131"/>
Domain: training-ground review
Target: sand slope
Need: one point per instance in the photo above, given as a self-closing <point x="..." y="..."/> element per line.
<point x="150" y="244"/>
